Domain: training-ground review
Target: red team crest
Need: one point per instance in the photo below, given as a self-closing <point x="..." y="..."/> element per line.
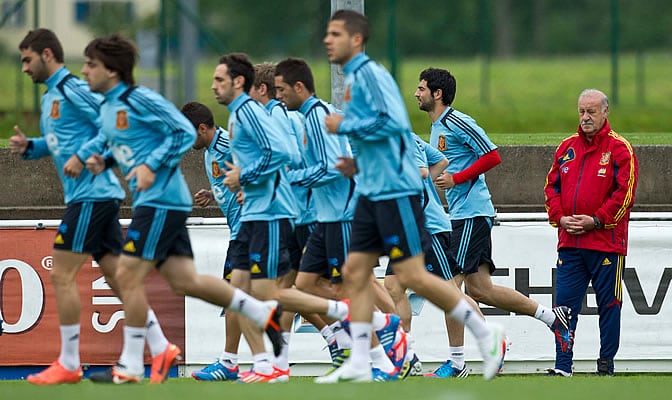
<point x="441" y="145"/>
<point x="346" y="96"/>
<point x="122" y="120"/>
<point x="606" y="157"/>
<point x="231" y="131"/>
<point x="216" y="172"/>
<point x="55" y="110"/>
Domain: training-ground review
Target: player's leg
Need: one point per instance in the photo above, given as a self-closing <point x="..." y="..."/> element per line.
<point x="607" y="280"/>
<point x="572" y="279"/>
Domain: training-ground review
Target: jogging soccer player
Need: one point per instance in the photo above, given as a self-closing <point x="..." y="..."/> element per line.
<point x="148" y="137"/>
<point x="215" y="140"/>
<point x="388" y="217"/>
<point x="470" y="154"/>
<point x="260" y="154"/>
<point x="90" y="225"/>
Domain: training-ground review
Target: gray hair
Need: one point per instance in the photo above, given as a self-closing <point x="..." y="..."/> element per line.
<point x="590" y="92"/>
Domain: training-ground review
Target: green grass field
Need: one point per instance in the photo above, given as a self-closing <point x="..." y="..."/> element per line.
<point x="506" y="387"/>
<point x="531" y="101"/>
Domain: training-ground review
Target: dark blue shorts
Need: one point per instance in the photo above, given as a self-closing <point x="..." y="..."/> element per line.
<point x="264" y="245"/>
<point x="297" y="243"/>
<point x="471" y="243"/>
<point x="236" y="258"/>
<point x="158" y="233"/>
<point x="391" y="227"/>
<point x="90" y="228"/>
<point x="327" y="249"/>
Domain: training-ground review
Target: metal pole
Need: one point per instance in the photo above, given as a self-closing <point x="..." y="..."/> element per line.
<point x="188" y="50"/>
<point x="36" y="24"/>
<point x="162" y="48"/>
<point x="337" y="77"/>
<point x="484" y="23"/>
<point x="614" y="51"/>
<point x="391" y="36"/>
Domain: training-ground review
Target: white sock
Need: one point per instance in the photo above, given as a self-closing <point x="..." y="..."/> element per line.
<point x="156" y="340"/>
<point x="134" y="349"/>
<point x="545" y="314"/>
<point x="337" y="310"/>
<point x="380" y="360"/>
<point x="249" y="307"/>
<point x="410" y="347"/>
<point x="282" y="361"/>
<point x="342" y="338"/>
<point x="69" y="357"/>
<point x="229" y="360"/>
<point x="457" y="356"/>
<point x="379" y="320"/>
<point x="327" y="334"/>
<point x="262" y="363"/>
<point x="361" y="343"/>
<point x="465" y="314"/>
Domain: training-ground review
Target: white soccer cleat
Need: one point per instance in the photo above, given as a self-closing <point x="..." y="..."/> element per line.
<point x="493" y="349"/>
<point x="346" y="373"/>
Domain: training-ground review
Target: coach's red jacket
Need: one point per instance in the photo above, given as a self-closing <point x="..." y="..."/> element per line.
<point x="595" y="178"/>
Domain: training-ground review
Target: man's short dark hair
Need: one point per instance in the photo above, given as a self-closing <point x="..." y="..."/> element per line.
<point x="353" y="22"/>
<point x="239" y="64"/>
<point x="198" y="113"/>
<point x="40" y="39"/>
<point x="295" y="70"/>
<point x="437" y="78"/>
<point x="116" y="53"/>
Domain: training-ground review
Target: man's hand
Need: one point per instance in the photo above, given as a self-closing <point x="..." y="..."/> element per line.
<point x="347" y="166"/>
<point x="73" y="167"/>
<point x="444" y="181"/>
<point x="95" y="164"/>
<point x="332" y="121"/>
<point x="144" y="177"/>
<point x="240" y="198"/>
<point x="18" y="142"/>
<point x="577" y="224"/>
<point x="232" y="180"/>
<point x="203" y="197"/>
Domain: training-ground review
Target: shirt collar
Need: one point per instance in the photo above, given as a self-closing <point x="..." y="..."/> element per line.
<point x="355" y="62"/>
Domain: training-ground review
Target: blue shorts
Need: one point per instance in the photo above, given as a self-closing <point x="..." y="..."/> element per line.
<point x="327" y="249"/>
<point x="157" y="233"/>
<point x="297" y="243"/>
<point x="236" y="258"/>
<point x="438" y="259"/>
<point x="90" y="228"/>
<point x="392" y="227"/>
<point x="471" y="243"/>
<point x="264" y="245"/>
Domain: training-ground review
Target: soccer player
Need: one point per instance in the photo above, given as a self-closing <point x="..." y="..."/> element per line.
<point x="148" y="137"/>
<point x="90" y="225"/>
<point x="470" y="154"/>
<point x="260" y="153"/>
<point x="215" y="140"/>
<point x="388" y="217"/>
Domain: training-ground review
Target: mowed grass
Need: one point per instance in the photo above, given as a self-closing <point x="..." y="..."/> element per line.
<point x="520" y="101"/>
<point x="506" y="387"/>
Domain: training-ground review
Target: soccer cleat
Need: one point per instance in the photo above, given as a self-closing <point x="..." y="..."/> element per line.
<point x="162" y="362"/>
<point x="216" y="372"/>
<point x="493" y="349"/>
<point x="256" y="377"/>
<point x="346" y="373"/>
<point x="381" y="376"/>
<point x="398" y="351"/>
<point x="55" y="374"/>
<point x="449" y="370"/>
<point x="388" y="334"/>
<point x="272" y="326"/>
<point x="117" y="375"/>
<point x="557" y="372"/>
<point x="337" y="359"/>
<point x="416" y="369"/>
<point x="560" y="328"/>
<point x="280" y="375"/>
<point x="410" y="366"/>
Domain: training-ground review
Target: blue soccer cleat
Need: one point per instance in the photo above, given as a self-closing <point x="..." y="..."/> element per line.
<point x="216" y="372"/>
<point x="449" y="370"/>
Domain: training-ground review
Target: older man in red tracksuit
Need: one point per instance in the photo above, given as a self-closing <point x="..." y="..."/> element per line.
<point x="589" y="192"/>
